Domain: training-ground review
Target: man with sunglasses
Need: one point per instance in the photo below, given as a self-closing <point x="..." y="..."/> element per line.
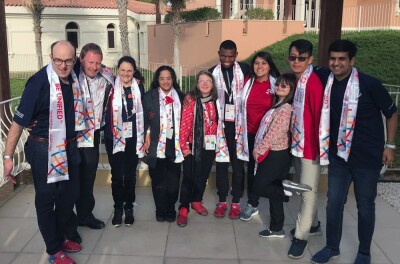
<point x="352" y="113"/>
<point x="51" y="148"/>
<point x="307" y="105"/>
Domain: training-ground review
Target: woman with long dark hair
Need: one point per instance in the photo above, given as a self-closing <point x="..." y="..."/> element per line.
<point x="272" y="153"/>
<point x="257" y="96"/>
<point x="162" y="117"/>
<point x="124" y="139"/>
<point x="197" y="140"/>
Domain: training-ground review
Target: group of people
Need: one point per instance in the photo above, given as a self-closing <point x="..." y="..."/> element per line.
<point x="235" y="113"/>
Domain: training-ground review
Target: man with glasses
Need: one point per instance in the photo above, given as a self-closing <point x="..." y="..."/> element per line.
<point x="96" y="83"/>
<point x="307" y="105"/>
<point x="353" y="106"/>
<point x="51" y="148"/>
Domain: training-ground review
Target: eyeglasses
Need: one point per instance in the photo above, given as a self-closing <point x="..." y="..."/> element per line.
<point x="282" y="85"/>
<point x="301" y="59"/>
<point x="204" y="82"/>
<point x="68" y="62"/>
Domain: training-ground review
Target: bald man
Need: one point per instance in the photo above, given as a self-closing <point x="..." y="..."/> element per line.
<point x="51" y="148"/>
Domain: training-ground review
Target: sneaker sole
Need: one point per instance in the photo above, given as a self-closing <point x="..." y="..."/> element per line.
<point x="181" y="225"/>
<point x="295" y="186"/>
<point x="272" y="236"/>
<point x="71" y="251"/>
<point x="117" y="225"/>
<point x="203" y="214"/>
<point x="297" y="257"/>
<point x="129" y="224"/>
<point x="249" y="218"/>
<point x="332" y="258"/>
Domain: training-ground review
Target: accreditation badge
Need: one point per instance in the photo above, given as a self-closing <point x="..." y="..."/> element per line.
<point x="210" y="141"/>
<point x="229" y="113"/>
<point x="128" y="133"/>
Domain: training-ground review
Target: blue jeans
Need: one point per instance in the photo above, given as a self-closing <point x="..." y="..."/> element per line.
<point x="365" y="181"/>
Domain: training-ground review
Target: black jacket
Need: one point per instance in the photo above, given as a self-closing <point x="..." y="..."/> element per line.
<point x="151" y="112"/>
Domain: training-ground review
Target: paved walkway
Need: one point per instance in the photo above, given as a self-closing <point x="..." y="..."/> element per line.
<point x="205" y="240"/>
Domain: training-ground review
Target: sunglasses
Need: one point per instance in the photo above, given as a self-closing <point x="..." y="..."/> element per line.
<point x="301" y="59"/>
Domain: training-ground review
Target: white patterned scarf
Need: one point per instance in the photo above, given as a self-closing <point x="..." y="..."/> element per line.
<point x="57" y="154"/>
<point x="243" y="147"/>
<point x="347" y="118"/>
<point x="222" y="153"/>
<point x="118" y="135"/>
<point x="298" y="112"/>
<point x="262" y="131"/>
<point x="86" y="138"/>
<point x="162" y="141"/>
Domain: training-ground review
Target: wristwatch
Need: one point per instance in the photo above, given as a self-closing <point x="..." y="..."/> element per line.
<point x="7" y="157"/>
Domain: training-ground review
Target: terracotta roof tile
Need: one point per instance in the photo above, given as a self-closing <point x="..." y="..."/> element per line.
<point x="134" y="6"/>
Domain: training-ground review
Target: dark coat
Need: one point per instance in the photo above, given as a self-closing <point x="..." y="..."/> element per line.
<point x="151" y="112"/>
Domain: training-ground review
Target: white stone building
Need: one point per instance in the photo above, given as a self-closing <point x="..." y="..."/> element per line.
<point x="81" y="22"/>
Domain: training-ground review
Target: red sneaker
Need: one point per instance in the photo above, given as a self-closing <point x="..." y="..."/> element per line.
<point x="182" y="218"/>
<point x="220" y="210"/>
<point x="199" y="208"/>
<point x="60" y="258"/>
<point x="234" y="213"/>
<point x="71" y="246"/>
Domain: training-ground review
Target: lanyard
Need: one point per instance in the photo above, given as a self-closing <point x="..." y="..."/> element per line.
<point x="124" y="101"/>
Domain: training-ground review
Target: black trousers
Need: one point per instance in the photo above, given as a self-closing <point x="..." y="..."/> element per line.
<point x="90" y="161"/>
<point x="165" y="186"/>
<point x="252" y="198"/>
<point x="123" y="174"/>
<point x="222" y="180"/>
<point x="54" y="202"/>
<point x="268" y="183"/>
<point x="195" y="176"/>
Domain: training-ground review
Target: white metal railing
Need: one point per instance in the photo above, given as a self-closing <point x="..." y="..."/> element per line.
<point x="7" y="109"/>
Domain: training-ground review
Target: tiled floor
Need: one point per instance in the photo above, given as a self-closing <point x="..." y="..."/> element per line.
<point x="206" y="240"/>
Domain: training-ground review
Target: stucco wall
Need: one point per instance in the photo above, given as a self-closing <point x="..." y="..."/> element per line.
<point x="200" y="41"/>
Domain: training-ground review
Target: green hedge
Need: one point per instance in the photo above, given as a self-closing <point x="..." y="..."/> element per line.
<point x="200" y="14"/>
<point x="260" y="14"/>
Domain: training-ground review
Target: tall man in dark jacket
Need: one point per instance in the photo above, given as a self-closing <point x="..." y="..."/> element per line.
<point x="352" y="142"/>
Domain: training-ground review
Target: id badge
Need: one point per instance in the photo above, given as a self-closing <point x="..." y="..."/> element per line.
<point x="229" y="112"/>
<point x="170" y="132"/>
<point x="210" y="142"/>
<point x="128" y="130"/>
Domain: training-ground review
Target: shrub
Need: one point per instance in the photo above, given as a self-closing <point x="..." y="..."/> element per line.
<point x="200" y="14"/>
<point x="260" y="14"/>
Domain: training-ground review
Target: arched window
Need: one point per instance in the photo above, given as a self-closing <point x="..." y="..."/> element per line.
<point x="111" y="36"/>
<point x="72" y="33"/>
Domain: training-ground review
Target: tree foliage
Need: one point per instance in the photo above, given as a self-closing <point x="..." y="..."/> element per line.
<point x="199" y="14"/>
<point x="260" y="14"/>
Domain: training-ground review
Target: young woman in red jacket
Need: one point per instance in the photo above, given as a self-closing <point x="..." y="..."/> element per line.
<point x="197" y="140"/>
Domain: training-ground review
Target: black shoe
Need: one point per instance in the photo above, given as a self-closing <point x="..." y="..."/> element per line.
<point x="171" y="217"/>
<point x="94" y="224"/>
<point x="117" y="219"/>
<point x="129" y="219"/>
<point x="160" y="218"/>
<point x="74" y="237"/>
